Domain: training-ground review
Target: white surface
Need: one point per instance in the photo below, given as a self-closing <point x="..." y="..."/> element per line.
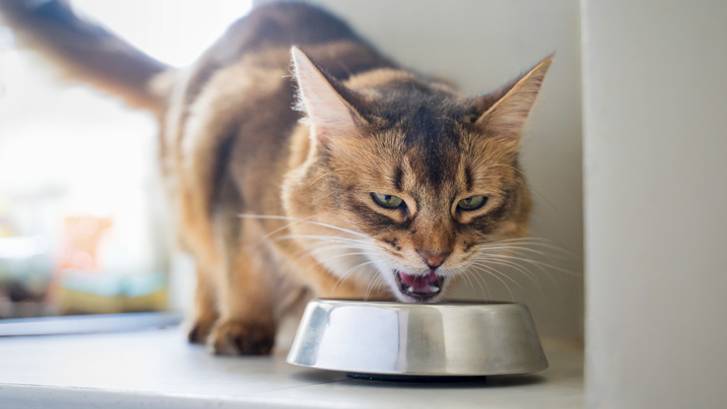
<point x="157" y="369"/>
<point x="481" y="45"/>
<point x="656" y="203"/>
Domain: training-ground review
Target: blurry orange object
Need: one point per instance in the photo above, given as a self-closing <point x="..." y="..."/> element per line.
<point x="80" y="242"/>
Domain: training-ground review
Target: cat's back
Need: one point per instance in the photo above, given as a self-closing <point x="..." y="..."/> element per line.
<point x="255" y="51"/>
<point x="229" y="117"/>
<point x="282" y="24"/>
<point x="243" y="79"/>
<point x="264" y="37"/>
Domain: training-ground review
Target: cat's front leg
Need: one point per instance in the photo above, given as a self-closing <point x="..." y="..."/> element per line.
<point x="205" y="308"/>
<point x="246" y="325"/>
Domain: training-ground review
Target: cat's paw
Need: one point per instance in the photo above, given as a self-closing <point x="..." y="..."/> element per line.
<point x="199" y="331"/>
<point x="234" y="337"/>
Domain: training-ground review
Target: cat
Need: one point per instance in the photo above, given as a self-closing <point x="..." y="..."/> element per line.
<point x="300" y="161"/>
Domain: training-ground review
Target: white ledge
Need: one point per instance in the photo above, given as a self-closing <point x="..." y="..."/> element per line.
<point x="157" y="369"/>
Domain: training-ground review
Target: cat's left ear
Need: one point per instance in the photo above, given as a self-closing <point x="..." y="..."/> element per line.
<point x="506" y="110"/>
<point x="328" y="104"/>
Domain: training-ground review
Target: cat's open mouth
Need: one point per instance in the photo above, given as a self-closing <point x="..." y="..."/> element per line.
<point x="421" y="287"/>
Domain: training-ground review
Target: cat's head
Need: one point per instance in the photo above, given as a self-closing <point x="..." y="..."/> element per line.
<point x="405" y="181"/>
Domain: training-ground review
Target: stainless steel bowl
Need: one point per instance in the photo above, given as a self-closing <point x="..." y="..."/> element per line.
<point x="389" y="338"/>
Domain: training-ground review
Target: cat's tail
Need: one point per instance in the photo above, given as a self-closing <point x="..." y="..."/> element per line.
<point x="85" y="50"/>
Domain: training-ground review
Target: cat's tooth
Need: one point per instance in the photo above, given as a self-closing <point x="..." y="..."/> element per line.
<point x="433" y="288"/>
<point x="409" y="290"/>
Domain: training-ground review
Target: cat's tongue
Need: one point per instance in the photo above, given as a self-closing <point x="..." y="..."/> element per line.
<point x="424" y="283"/>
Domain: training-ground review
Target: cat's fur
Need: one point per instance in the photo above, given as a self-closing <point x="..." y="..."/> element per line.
<point x="274" y="209"/>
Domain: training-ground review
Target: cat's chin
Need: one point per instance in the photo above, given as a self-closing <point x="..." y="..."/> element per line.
<point x="419" y="288"/>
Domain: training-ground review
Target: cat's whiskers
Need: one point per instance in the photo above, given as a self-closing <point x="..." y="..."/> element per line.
<point x="465" y="274"/>
<point x="498" y="273"/>
<point x="490" y="256"/>
<point x="380" y="282"/>
<point x="357" y="253"/>
<point x="545" y="267"/>
<point x="375" y="282"/>
<point x="324" y="245"/>
<point x="548" y="250"/>
<point x="284" y="227"/>
<point x="322" y="237"/>
<point x="322" y="248"/>
<point x="369" y="283"/>
<point x="515" y="248"/>
<point x="487" y="270"/>
<point x="292" y="222"/>
<point x="320" y="251"/>
<point x="505" y="253"/>
<point x="485" y="253"/>
<point x="518" y="268"/>
<point x="350" y="272"/>
<point x="481" y="282"/>
<point x="359" y="247"/>
<point x="531" y="241"/>
<point x="468" y="279"/>
<point x="295" y="219"/>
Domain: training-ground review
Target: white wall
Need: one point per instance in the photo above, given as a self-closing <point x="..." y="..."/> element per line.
<point x="655" y="114"/>
<point x="481" y="45"/>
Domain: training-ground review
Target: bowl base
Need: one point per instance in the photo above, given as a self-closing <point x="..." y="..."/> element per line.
<point x="416" y="378"/>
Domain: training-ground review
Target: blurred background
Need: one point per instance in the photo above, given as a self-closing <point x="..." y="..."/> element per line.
<point x="82" y="222"/>
<point x="83" y="226"/>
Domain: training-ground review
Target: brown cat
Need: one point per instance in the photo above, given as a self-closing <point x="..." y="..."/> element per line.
<point x="392" y="185"/>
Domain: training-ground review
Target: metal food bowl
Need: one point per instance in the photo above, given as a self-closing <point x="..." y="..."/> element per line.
<point x="389" y="339"/>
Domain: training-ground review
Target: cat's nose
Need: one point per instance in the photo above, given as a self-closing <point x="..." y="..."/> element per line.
<point x="433" y="259"/>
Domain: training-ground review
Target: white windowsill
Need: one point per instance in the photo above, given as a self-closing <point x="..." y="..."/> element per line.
<point x="157" y="369"/>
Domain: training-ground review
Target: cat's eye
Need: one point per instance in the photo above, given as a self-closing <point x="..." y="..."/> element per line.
<point x="387" y="201"/>
<point x="472" y="203"/>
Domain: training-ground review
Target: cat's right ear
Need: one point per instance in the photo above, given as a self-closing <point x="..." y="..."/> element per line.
<point x="328" y="104"/>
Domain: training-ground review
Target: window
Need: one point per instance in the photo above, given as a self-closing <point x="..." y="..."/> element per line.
<point x="81" y="213"/>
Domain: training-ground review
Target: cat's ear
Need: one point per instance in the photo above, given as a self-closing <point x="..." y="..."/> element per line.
<point x="328" y="104"/>
<point x="506" y="110"/>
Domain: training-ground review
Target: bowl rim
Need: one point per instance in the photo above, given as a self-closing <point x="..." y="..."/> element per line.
<point x="398" y="304"/>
